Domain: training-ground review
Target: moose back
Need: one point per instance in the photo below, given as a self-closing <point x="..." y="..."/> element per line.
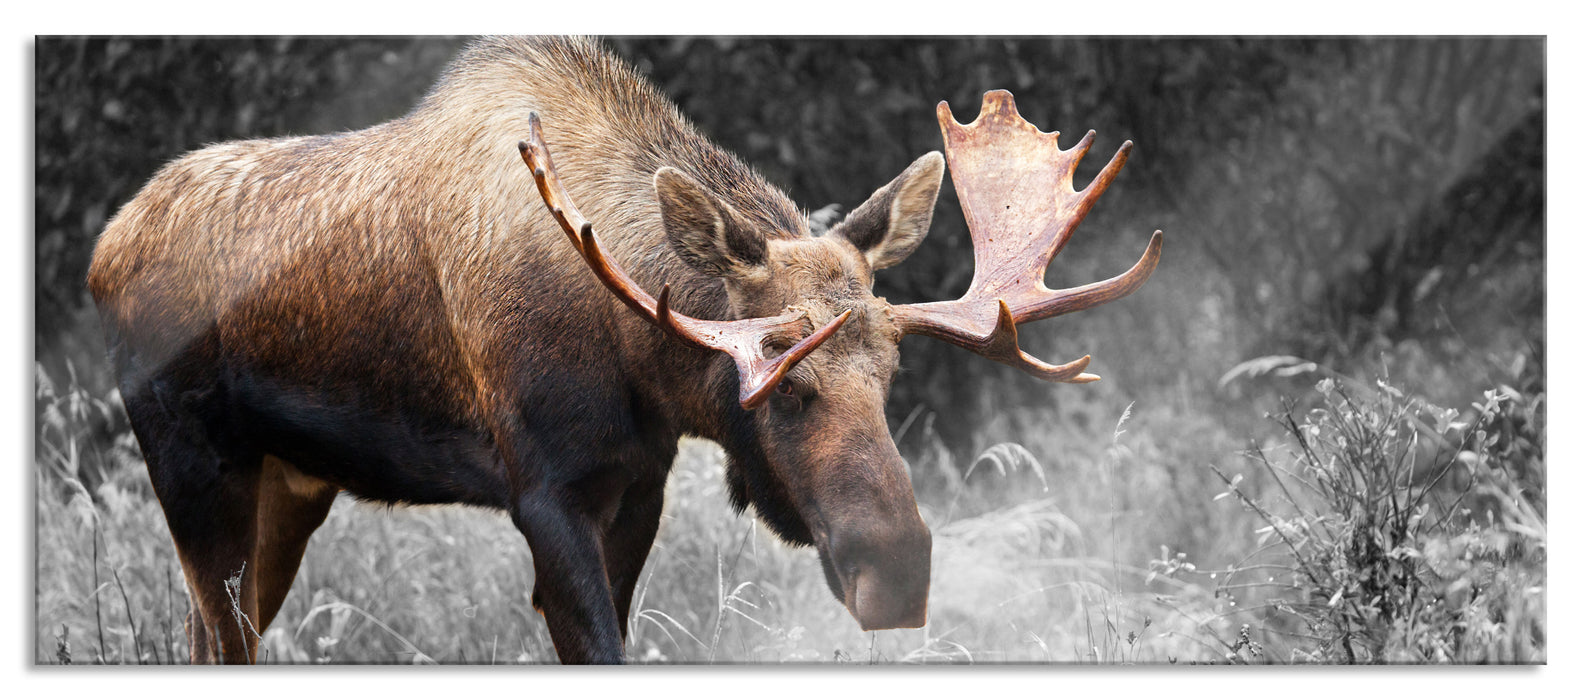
<point x="410" y="314"/>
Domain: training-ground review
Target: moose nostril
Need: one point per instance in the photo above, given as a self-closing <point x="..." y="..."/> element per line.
<point x="887" y="600"/>
<point x="885" y="572"/>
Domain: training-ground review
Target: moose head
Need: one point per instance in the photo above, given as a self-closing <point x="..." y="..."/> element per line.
<point x="815" y="351"/>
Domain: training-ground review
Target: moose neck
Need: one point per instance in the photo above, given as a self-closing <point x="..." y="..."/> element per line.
<point x="607" y="158"/>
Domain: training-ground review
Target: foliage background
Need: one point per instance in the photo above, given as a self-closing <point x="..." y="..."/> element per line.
<point x="1372" y="205"/>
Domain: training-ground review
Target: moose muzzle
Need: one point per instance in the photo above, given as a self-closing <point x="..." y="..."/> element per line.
<point x="879" y="570"/>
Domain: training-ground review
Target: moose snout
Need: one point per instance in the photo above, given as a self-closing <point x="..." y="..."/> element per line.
<point x="884" y="573"/>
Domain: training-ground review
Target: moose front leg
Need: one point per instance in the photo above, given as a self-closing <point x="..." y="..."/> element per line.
<point x="628" y="540"/>
<point x="570" y="587"/>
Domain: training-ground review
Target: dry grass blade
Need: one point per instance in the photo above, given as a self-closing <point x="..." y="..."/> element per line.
<point x="418" y="657"/>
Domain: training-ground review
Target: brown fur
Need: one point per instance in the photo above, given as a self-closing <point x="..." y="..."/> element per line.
<point x="392" y="312"/>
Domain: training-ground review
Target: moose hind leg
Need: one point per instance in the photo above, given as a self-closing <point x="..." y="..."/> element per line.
<point x="209" y="497"/>
<point x="214" y="532"/>
<point x="291" y="506"/>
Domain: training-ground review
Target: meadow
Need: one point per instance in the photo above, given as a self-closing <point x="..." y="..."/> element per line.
<point x="1375" y="528"/>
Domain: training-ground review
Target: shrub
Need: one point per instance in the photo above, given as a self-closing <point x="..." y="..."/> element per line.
<point x="1403" y="532"/>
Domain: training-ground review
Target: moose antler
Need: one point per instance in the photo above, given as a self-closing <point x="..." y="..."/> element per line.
<point x="1015" y="188"/>
<point x="742" y="339"/>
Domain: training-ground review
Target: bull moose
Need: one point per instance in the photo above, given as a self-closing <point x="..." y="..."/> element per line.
<point x="390" y="312"/>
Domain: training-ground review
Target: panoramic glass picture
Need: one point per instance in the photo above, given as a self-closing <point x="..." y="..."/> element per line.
<point x="720" y="350"/>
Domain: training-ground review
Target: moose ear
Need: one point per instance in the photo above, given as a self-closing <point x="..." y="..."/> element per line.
<point x="706" y="232"/>
<point x="890" y="225"/>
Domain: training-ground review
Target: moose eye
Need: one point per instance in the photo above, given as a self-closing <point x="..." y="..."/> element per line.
<point x="786" y="397"/>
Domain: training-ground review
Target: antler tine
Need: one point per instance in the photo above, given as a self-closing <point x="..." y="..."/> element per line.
<point x="1087" y="296"/>
<point x="1087" y="196"/>
<point x="742" y="339"/>
<point x="765" y="376"/>
<point x="1002" y="347"/>
<point x="536" y="154"/>
<point x="1102" y="181"/>
<point x="1077" y="153"/>
<point x="628" y="291"/>
<point x="1016" y="190"/>
<point x="663" y="310"/>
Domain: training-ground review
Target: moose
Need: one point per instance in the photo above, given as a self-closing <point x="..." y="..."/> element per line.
<point x="408" y="314"/>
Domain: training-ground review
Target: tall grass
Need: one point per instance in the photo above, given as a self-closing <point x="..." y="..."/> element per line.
<point x="1392" y="530"/>
<point x="1075" y="546"/>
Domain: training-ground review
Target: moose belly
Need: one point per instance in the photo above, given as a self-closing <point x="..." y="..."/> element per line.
<point x="405" y="456"/>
